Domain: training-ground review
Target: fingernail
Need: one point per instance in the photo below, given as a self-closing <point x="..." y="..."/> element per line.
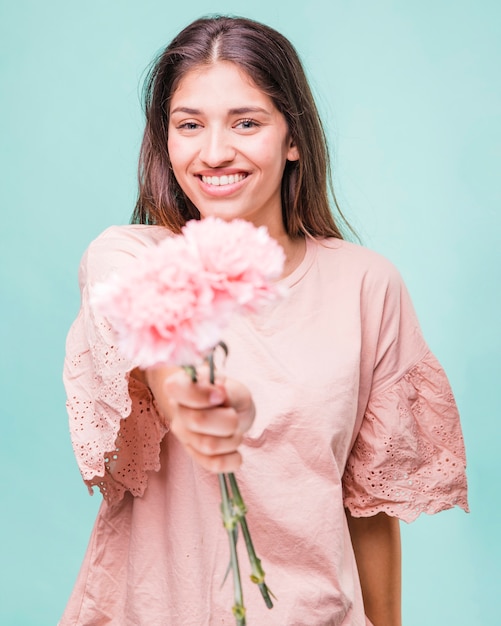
<point x="216" y="397"/>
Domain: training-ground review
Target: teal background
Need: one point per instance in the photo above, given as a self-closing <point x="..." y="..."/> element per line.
<point x="411" y="97"/>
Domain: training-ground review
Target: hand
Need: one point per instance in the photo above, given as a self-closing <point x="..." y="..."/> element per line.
<point x="209" y="420"/>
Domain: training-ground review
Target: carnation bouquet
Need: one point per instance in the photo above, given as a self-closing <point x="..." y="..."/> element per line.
<point x="171" y="306"/>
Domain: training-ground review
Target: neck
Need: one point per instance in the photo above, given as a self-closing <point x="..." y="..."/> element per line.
<point x="295" y="250"/>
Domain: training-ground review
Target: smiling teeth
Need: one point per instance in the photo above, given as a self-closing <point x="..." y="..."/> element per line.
<point x="219" y="181"/>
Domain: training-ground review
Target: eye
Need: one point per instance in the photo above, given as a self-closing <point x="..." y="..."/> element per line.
<point x="188" y="126"/>
<point x="247" y="124"/>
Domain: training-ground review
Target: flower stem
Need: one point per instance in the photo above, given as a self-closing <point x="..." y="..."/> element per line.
<point x="192" y="372"/>
<point x="257" y="575"/>
<point x="234" y="510"/>
<point x="230" y="521"/>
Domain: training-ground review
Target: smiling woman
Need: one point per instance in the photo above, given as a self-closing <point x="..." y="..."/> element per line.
<point x="267" y="66"/>
<point x="229" y="146"/>
<point x="344" y="419"/>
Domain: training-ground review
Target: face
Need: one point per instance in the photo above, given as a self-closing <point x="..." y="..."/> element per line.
<point x="228" y="146"/>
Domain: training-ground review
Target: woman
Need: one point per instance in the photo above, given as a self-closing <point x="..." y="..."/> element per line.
<point x="343" y="417"/>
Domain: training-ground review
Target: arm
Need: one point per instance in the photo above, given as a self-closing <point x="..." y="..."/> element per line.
<point x="376" y="543"/>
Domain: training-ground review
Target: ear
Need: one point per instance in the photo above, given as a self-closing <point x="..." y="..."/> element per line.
<point x="293" y="152"/>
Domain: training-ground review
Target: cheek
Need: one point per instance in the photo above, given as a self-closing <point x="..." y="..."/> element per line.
<point x="271" y="153"/>
<point x="177" y="152"/>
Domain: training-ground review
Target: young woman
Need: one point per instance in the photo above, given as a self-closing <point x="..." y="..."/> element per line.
<point x="343" y="418"/>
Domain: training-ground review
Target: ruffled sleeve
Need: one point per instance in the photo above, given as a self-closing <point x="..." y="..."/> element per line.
<point x="408" y="456"/>
<point x="115" y="427"/>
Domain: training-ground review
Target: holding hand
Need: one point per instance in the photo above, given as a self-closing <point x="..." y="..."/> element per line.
<point x="209" y="420"/>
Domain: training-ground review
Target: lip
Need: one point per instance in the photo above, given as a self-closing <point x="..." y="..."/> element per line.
<point x="221" y="171"/>
<point x="219" y="191"/>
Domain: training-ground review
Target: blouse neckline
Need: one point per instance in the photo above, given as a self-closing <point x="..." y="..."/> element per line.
<point x="302" y="269"/>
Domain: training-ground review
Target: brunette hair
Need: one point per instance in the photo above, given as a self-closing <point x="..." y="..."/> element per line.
<point x="273" y="64"/>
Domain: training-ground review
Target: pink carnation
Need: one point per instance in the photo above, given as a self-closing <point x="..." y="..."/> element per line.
<point x="240" y="261"/>
<point x="173" y="302"/>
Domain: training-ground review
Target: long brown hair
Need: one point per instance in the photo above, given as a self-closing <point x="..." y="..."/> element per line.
<point x="273" y="64"/>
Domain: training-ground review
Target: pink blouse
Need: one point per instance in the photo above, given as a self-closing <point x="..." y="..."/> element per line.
<point x="352" y="411"/>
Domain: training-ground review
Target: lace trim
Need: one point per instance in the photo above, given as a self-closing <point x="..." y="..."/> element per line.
<point x="136" y="450"/>
<point x="409" y="455"/>
<point x="115" y="453"/>
<point x="115" y="427"/>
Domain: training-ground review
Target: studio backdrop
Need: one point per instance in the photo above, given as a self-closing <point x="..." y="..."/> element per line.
<point x="410" y="96"/>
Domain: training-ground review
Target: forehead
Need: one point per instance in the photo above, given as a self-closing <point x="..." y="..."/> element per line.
<point x="223" y="80"/>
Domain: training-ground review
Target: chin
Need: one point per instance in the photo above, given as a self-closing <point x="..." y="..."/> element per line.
<point x="224" y="215"/>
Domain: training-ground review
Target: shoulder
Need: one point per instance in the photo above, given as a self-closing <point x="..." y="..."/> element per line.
<point x="129" y="236"/>
<point x="115" y="247"/>
<point x="356" y="264"/>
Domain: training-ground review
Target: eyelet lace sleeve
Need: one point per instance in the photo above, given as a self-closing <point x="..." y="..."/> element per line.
<point x="409" y="455"/>
<point x="115" y="427"/>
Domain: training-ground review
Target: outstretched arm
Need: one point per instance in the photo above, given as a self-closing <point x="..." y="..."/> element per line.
<point x="376" y="543"/>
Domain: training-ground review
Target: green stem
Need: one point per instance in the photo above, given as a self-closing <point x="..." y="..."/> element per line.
<point x="257" y="575"/>
<point x="230" y="522"/>
<point x="234" y="511"/>
<point x="192" y="372"/>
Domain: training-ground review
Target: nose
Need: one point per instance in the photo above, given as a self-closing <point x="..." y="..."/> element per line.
<point x="216" y="149"/>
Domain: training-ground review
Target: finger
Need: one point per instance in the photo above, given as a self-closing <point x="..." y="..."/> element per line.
<point x="216" y="422"/>
<point x="180" y="388"/>
<point x="214" y="446"/>
<point x="238" y="396"/>
<point x="223" y="463"/>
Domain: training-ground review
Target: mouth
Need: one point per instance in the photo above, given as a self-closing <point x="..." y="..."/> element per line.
<point x="222" y="181"/>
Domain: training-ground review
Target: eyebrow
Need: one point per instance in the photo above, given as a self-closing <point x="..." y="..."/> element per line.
<point x="237" y="111"/>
